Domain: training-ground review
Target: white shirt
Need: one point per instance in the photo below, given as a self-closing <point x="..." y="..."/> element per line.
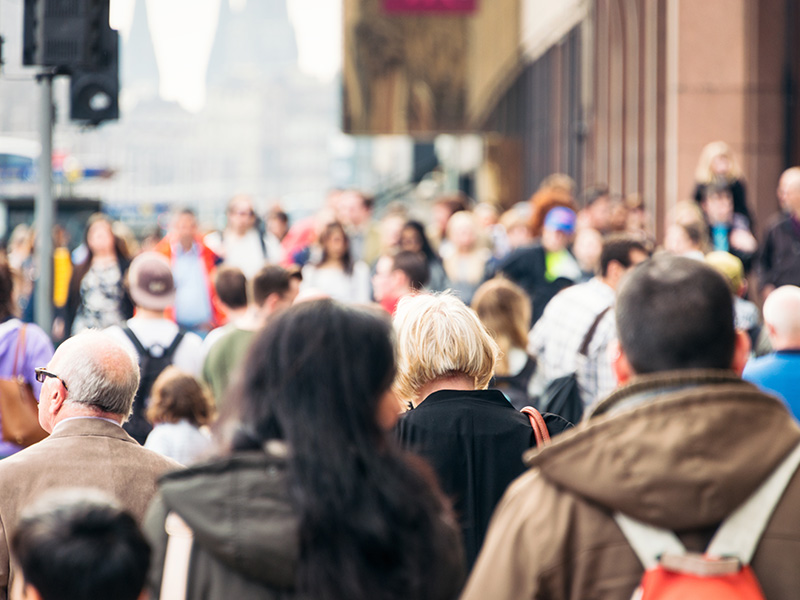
<point x="188" y="356"/>
<point x="353" y="288"/>
<point x="179" y="441"/>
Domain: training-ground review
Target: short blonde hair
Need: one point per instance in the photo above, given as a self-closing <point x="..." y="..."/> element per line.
<point x="438" y="336"/>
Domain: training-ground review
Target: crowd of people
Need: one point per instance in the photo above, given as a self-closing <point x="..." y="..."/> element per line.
<point x="345" y="406"/>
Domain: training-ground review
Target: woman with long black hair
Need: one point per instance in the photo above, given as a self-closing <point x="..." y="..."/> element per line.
<point x="312" y="500"/>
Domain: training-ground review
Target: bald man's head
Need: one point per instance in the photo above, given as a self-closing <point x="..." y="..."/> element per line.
<point x="782" y="317"/>
<point x="98" y="371"/>
<point x="789" y="190"/>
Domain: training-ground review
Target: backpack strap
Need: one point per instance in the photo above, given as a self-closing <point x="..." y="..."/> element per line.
<point x="737" y="536"/>
<point x="175" y="574"/>
<point x="587" y="339"/>
<point x="740" y="533"/>
<point x="135" y="341"/>
<point x="174" y="345"/>
<point x="648" y="542"/>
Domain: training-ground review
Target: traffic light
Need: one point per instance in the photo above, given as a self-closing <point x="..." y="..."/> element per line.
<point x="74" y="38"/>
<point x="94" y="91"/>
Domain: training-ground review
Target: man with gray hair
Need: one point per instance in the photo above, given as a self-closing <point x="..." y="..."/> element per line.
<point x="87" y="393"/>
<point x="779" y="373"/>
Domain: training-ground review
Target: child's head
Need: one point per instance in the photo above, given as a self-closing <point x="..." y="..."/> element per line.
<point x="176" y="395"/>
<point x="79" y="545"/>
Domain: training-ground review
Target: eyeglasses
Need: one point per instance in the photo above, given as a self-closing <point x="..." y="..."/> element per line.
<point x="42" y="374"/>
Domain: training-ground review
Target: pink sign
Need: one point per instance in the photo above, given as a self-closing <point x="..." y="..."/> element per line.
<point x="441" y="6"/>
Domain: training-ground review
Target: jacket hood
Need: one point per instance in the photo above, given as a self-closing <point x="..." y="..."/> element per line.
<point x="676" y="450"/>
<point x="240" y="511"/>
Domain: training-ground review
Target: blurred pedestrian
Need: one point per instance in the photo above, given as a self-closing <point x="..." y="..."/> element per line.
<point x="578" y="325"/>
<point x="313" y="500"/>
<point x="151" y="337"/>
<point x="413" y="239"/>
<point x="193" y="265"/>
<point x="97" y="295"/>
<point x="466" y="263"/>
<point x="546" y="267"/>
<point x="336" y="273"/>
<point x="505" y="311"/>
<point x="779" y="264"/>
<point x="271" y="291"/>
<point x="779" y="372"/>
<point x="180" y="411"/>
<point x="23" y="346"/>
<point x="718" y="164"/>
<point x="397" y="276"/>
<point x="241" y="244"/>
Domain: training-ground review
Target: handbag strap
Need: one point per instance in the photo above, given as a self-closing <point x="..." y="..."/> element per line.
<point x="175" y="575"/>
<point x="587" y="339"/>
<point x="539" y="426"/>
<point x="20" y="351"/>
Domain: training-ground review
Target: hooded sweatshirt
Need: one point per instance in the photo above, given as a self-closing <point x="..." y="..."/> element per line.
<point x="676" y="450"/>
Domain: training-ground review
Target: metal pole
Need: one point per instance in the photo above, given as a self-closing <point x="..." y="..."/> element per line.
<point x="44" y="208"/>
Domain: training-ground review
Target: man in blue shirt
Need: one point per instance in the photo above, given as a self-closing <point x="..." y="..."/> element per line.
<point x="779" y="372"/>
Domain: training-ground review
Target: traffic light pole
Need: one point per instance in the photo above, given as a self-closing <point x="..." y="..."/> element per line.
<point x="44" y="208"/>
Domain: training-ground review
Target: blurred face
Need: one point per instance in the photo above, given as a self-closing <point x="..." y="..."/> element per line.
<point x="463" y="236"/>
<point x="410" y="240"/>
<point x="335" y="244"/>
<point x="277" y="227"/>
<point x="185" y="229"/>
<point x="720" y="165"/>
<point x="352" y="211"/>
<point x="718" y="208"/>
<point x="100" y="238"/>
<point x="599" y="213"/>
<point x="677" y="241"/>
<point x="381" y="280"/>
<point x="555" y="240"/>
<point x="241" y="216"/>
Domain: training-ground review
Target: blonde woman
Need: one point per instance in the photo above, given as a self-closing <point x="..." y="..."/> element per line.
<point x="505" y="309"/>
<point x="716" y="163"/>
<point x="473" y="437"/>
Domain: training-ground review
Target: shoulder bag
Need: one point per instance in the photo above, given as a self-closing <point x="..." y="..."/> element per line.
<point x="19" y="411"/>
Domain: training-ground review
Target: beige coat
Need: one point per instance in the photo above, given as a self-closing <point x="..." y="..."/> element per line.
<point x="81" y="452"/>
<point x="676" y="450"/>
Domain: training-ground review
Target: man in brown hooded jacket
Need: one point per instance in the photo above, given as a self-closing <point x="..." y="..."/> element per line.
<point x="679" y="446"/>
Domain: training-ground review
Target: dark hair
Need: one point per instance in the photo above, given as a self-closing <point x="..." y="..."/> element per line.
<point x="675" y="313"/>
<point x="278" y="214"/>
<point x="618" y="248"/>
<point x="346" y="260"/>
<point x="82" y="549"/>
<point x="269" y="280"/>
<point x="8" y="308"/>
<point x="719" y="186"/>
<point x="415" y="267"/>
<point x="695" y="232"/>
<point x="231" y="286"/>
<point x="315" y="377"/>
<point x="427" y="249"/>
<point x="176" y="395"/>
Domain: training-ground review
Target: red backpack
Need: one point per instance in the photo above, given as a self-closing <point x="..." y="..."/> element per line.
<point x="723" y="571"/>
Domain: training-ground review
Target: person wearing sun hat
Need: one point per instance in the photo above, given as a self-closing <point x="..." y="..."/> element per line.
<point x="546" y="267"/>
<point x="152" y="289"/>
